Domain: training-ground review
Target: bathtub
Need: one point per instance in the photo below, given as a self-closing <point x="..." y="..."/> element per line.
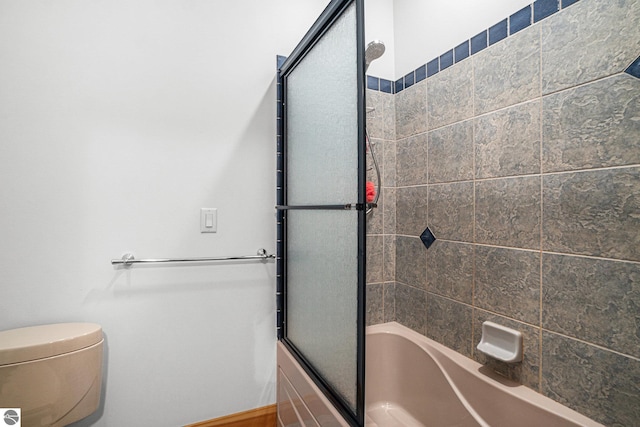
<point x="414" y="381"/>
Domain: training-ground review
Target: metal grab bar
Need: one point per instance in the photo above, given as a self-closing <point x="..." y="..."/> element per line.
<point x="128" y="259"/>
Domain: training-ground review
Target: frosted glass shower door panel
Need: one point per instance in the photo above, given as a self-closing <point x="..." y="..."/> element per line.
<point x="322" y="119"/>
<point x="322" y="294"/>
<point x="323" y="206"/>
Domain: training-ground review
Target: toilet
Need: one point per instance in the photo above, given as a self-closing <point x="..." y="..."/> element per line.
<point x="53" y="373"/>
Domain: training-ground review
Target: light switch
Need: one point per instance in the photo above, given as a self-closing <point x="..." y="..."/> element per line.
<point x="208" y="220"/>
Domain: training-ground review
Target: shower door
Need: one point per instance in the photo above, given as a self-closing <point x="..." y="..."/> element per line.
<point x="321" y="206"/>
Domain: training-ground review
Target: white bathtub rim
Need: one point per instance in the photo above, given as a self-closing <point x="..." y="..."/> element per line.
<point x="512" y="388"/>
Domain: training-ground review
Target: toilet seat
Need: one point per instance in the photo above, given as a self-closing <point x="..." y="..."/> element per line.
<point x="39" y="342"/>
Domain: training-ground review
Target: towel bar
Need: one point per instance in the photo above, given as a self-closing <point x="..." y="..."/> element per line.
<point x="128" y="259"/>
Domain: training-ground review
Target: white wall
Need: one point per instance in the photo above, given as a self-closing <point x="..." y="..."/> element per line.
<point x="425" y="29"/>
<point x="119" y="120"/>
<point x="379" y="26"/>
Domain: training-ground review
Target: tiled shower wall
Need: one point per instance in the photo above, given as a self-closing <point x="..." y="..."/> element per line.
<point x="524" y="161"/>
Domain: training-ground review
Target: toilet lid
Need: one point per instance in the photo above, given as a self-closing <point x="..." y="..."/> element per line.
<point x="38" y="342"/>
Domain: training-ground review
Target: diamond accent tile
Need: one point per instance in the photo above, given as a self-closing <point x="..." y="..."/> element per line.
<point x="427" y="238"/>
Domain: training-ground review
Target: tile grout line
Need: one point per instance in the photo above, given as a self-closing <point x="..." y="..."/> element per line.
<point x="541" y="118"/>
<point x="531" y="175"/>
<point x="426" y="257"/>
<point x="474" y="236"/>
<point x="595" y="258"/>
<point x="594" y="169"/>
<point x="382" y="196"/>
<point x="394" y="122"/>
<point x="544" y="252"/>
<point x="591" y="344"/>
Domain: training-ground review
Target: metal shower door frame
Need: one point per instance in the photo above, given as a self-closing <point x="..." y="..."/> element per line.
<point x="332" y="12"/>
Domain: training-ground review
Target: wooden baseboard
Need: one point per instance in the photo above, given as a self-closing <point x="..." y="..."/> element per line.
<point x="259" y="417"/>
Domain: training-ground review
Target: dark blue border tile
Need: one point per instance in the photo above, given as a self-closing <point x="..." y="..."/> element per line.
<point x="421" y="73"/>
<point x="498" y="32"/>
<point x="535" y="12"/>
<point x="634" y="69"/>
<point x="279" y="161"/>
<point x="279" y="110"/>
<point x="280" y="245"/>
<point x="399" y="84"/>
<point x="544" y="8"/>
<point x="446" y="60"/>
<point x="461" y="51"/>
<point x="478" y="42"/>
<point x="567" y="3"/>
<point x="433" y="67"/>
<point x="520" y="20"/>
<point x="373" y="83"/>
<point x="386" y="86"/>
<point x="409" y="80"/>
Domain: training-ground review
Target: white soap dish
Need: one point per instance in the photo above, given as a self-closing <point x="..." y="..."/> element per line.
<point x="501" y="343"/>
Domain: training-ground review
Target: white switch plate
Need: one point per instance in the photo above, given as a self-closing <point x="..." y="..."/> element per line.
<point x="208" y="220"/>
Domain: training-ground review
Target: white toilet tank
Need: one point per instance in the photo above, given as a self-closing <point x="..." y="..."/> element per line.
<point x="53" y="373"/>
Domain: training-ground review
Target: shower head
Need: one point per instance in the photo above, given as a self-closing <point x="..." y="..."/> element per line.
<point x="374" y="50"/>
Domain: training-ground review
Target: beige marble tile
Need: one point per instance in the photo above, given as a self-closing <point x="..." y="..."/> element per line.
<point x="412" y="160"/>
<point x="451" y="153"/>
<point x="594" y="300"/>
<point x="593" y="213"/>
<point x="592" y="126"/>
<point x="507" y="142"/>
<point x="587" y="41"/>
<point x="390" y="302"/>
<point x="389" y="261"/>
<point x="411" y="210"/>
<point x="508" y="72"/>
<point x="508" y="212"/>
<point x="389" y="164"/>
<point x="411" y="307"/>
<point x="450" y="95"/>
<point x="411" y="110"/>
<point x="451" y="211"/>
<point x="410" y="262"/>
<point x="374" y="259"/>
<point x="450" y="323"/>
<point x="507" y="282"/>
<point x="604" y="386"/>
<point x="375" y="303"/>
<point x="389" y="211"/>
<point x="375" y="114"/>
<point x="450" y="270"/>
<point x="389" y="119"/>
